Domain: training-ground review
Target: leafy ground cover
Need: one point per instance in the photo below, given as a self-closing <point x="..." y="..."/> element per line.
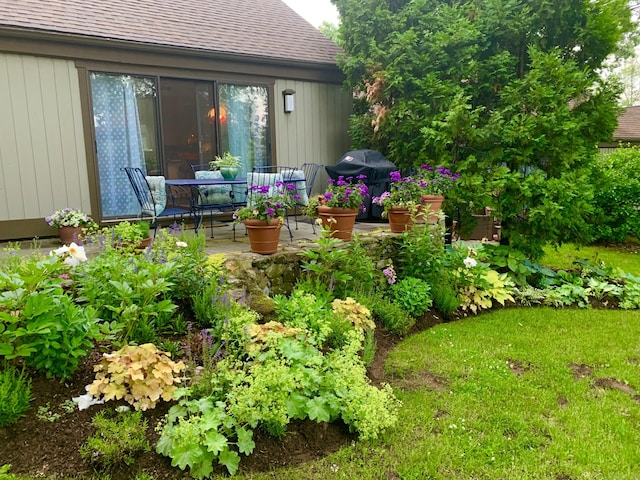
<point x="271" y="394"/>
<point x="515" y="393"/>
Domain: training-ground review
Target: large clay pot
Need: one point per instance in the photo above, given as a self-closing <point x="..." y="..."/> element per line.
<point x="399" y="219"/>
<point x="339" y="220"/>
<point x="434" y="204"/>
<point x="264" y="235"/>
<point x="69" y="234"/>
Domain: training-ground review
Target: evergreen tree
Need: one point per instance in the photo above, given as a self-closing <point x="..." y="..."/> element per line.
<point x="506" y="92"/>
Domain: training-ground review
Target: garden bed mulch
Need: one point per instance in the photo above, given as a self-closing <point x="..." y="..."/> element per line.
<point x="41" y="448"/>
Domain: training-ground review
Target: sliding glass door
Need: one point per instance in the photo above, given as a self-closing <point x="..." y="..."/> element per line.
<point x="188" y="125"/>
<point x="165" y="125"/>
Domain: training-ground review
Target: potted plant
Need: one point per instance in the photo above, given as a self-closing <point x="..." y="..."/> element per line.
<point x="71" y="224"/>
<point x="228" y="165"/>
<point x="415" y="197"/>
<point x="339" y="205"/>
<point x="126" y="235"/>
<point x="264" y="215"/>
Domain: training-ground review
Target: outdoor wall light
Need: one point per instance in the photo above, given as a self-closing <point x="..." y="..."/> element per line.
<point x="289" y="100"/>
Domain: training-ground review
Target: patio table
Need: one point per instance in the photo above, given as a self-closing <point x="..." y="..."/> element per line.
<point x="197" y="207"/>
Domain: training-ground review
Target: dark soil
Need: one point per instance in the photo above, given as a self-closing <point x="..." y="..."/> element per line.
<point x="41" y="448"/>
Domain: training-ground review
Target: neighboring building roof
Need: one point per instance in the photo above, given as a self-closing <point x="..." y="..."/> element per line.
<point x="256" y="28"/>
<point x="628" y="125"/>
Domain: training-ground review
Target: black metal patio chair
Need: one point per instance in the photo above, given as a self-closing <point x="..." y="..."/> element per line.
<point x="152" y="197"/>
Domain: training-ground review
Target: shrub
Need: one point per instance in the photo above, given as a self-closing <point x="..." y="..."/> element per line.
<point x="421" y="252"/>
<point x="413" y="295"/>
<point x="617" y="196"/>
<point x="444" y="297"/>
<point x="117" y="440"/>
<point x="15" y="395"/>
<point x="39" y="320"/>
<point x="131" y="293"/>
<point x="393" y="318"/>
<point x="345" y="268"/>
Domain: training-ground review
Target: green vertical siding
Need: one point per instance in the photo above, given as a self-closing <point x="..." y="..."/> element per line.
<point x="42" y="159"/>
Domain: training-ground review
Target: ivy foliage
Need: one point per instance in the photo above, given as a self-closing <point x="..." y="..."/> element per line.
<point x="506" y="92"/>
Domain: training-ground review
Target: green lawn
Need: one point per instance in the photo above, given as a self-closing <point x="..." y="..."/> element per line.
<point x="467" y="414"/>
<point x="563" y="257"/>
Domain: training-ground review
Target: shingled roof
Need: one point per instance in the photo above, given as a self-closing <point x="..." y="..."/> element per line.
<point x="628" y="125"/>
<point x="256" y="28"/>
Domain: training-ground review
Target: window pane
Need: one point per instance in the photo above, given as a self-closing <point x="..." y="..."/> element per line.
<point x="244" y="124"/>
<point x="188" y="130"/>
<point x="124" y="117"/>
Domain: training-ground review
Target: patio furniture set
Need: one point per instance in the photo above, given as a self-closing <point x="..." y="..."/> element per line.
<point x="210" y="193"/>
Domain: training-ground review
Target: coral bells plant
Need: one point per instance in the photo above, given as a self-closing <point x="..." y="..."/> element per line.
<point x="68" y="217"/>
<point x="267" y="202"/>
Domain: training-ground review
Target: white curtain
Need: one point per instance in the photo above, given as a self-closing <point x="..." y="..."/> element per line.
<point x="118" y="141"/>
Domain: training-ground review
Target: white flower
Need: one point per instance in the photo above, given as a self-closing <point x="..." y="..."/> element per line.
<point x="75" y="254"/>
<point x="182" y="244"/>
<point x="470" y="262"/>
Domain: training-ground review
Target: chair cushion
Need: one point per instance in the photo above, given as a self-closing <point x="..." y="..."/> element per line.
<point x="157" y="201"/>
<point x="213" y="194"/>
<point x="301" y="187"/>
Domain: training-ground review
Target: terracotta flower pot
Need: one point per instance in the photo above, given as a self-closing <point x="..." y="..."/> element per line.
<point x="264" y="235"/>
<point x="339" y="220"/>
<point x="434" y="204"/>
<point x="69" y="234"/>
<point x="399" y="219"/>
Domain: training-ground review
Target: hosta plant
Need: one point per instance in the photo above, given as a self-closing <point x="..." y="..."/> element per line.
<point x="142" y="375"/>
<point x="475" y="283"/>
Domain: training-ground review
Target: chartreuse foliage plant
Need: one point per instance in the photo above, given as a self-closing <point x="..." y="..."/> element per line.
<point x="118" y="439"/>
<point x="39" y="320"/>
<point x="15" y="394"/>
<point x="277" y="372"/>
<point x="141" y="375"/>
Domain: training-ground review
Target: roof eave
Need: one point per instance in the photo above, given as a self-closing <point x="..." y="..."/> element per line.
<point x="62" y="38"/>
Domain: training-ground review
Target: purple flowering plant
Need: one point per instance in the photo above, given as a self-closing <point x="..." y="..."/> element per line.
<point x="408" y="191"/>
<point x="345" y="192"/>
<point x="266" y="202"/>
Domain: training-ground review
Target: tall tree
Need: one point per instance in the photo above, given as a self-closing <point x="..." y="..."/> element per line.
<point x="506" y="92"/>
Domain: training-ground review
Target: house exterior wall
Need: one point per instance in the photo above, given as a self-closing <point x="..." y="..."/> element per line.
<point x="316" y="131"/>
<point x="47" y="160"/>
<point x="42" y="151"/>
